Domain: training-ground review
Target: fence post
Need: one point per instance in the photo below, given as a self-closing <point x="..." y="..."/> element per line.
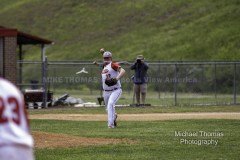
<point x="20" y="65"/>
<point x="130" y="82"/>
<point x="175" y="85"/>
<point x="159" y="75"/>
<point x="215" y="81"/>
<point x="45" y="96"/>
<point x="91" y="83"/>
<point x="234" y="86"/>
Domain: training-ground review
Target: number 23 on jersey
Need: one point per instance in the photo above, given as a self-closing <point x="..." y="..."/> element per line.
<point x="14" y="110"/>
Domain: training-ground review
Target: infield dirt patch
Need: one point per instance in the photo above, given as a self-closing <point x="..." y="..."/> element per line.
<point x="140" y="117"/>
<point x="54" y="140"/>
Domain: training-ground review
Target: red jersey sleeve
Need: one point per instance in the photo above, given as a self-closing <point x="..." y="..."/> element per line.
<point x="115" y="66"/>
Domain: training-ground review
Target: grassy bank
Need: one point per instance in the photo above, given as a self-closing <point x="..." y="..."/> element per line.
<point x="159" y="29"/>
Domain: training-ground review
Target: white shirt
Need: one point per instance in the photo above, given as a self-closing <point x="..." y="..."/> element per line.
<point x="14" y="127"/>
<point x="110" y="71"/>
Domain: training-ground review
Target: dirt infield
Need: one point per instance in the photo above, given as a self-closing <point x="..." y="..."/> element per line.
<point x="140" y="117"/>
<point x="53" y="140"/>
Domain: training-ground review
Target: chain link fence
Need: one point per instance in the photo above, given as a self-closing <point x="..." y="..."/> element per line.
<point x="169" y="83"/>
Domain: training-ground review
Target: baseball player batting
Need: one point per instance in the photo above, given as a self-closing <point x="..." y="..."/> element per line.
<point x="112" y="91"/>
<point x="16" y="143"/>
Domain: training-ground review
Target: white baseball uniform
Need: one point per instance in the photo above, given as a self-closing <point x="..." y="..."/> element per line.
<point x="16" y="142"/>
<point x="111" y="94"/>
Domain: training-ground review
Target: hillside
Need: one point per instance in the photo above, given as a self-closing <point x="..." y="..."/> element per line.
<point x="159" y="29"/>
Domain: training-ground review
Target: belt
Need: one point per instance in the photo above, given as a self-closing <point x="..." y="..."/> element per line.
<point x="112" y="89"/>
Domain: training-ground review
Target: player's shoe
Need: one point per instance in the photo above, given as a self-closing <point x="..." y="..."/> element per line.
<point x="115" y="120"/>
<point x="110" y="126"/>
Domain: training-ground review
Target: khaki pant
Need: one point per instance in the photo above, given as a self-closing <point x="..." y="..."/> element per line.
<point x="140" y="88"/>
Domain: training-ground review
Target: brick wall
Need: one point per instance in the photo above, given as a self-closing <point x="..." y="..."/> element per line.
<point x="1" y="56"/>
<point x="10" y="59"/>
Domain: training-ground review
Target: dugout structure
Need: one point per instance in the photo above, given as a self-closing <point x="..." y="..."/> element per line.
<point x="11" y="51"/>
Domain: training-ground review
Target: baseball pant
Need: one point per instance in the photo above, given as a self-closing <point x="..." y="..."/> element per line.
<point x="16" y="152"/>
<point x="110" y="99"/>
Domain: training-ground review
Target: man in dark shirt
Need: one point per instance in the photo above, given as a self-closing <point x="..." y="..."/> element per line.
<point x="140" y="78"/>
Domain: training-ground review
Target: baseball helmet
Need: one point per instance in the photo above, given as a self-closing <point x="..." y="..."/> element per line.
<point x="107" y="54"/>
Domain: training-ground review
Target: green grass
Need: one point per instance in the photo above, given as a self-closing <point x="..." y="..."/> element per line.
<point x="155" y="140"/>
<point x="159" y="29"/>
<point x="163" y="105"/>
<point x="154" y="98"/>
